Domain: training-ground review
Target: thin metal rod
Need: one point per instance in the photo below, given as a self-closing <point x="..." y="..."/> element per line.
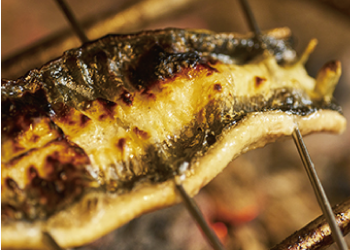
<point x="253" y="25"/>
<point x="72" y="20"/>
<point x="310" y="169"/>
<point x="318" y="189"/>
<point x="50" y="242"/>
<point x="198" y="216"/>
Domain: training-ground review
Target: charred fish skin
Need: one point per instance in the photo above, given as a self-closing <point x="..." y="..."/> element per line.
<point x="112" y="69"/>
<point x="127" y="111"/>
<point x="167" y="50"/>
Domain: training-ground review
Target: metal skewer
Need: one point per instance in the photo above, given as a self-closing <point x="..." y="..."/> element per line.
<point x="189" y="202"/>
<point x="318" y="189"/>
<point x="73" y="21"/>
<point x="50" y="242"/>
<point x="195" y="212"/>
<point x="253" y="25"/>
<point x="305" y="157"/>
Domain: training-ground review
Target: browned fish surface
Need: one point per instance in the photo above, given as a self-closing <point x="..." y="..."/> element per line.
<point x="95" y="138"/>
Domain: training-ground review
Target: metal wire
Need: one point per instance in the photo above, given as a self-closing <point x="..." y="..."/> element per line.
<point x="189" y="202"/>
<point x="196" y="213"/>
<point x="309" y="167"/>
<point x="50" y="242"/>
<point x="250" y="18"/>
<point x="134" y="17"/>
<point x="72" y="20"/>
<point x="318" y="189"/>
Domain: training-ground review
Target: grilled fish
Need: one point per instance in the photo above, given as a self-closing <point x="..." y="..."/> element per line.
<point x="95" y="138"/>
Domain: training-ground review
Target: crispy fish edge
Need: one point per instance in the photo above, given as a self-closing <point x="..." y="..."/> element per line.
<point x="78" y="226"/>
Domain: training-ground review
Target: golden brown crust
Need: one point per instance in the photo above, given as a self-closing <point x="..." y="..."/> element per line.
<point x="109" y="211"/>
<point x="95" y="138"/>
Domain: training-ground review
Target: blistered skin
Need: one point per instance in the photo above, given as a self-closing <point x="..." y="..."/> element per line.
<point x="121" y="116"/>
